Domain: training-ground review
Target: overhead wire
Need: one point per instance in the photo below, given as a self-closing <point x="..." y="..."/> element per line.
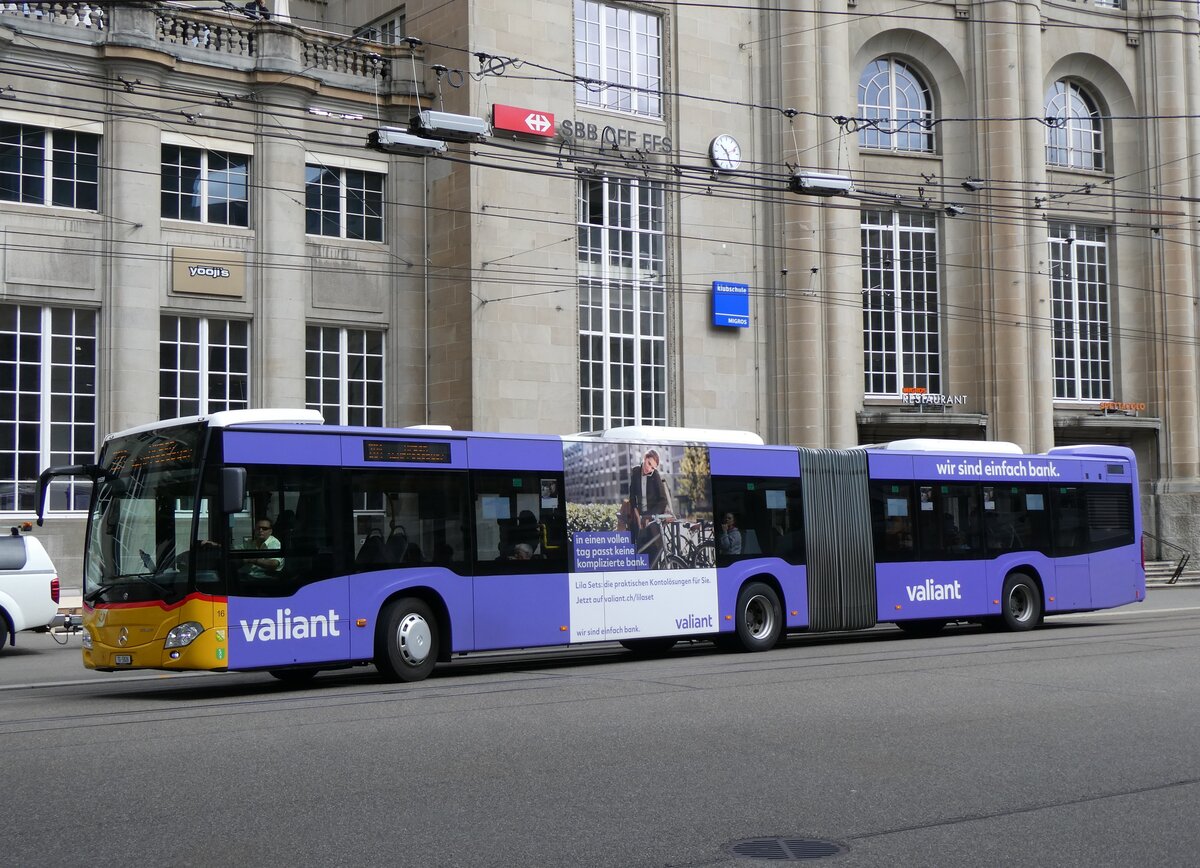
<point x="708" y="190"/>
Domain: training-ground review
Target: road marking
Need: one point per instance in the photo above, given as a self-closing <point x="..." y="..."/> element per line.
<point x="41" y="685"/>
<point x="1108" y="613"/>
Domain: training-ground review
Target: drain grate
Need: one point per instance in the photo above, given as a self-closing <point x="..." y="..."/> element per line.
<point x="786" y="849"/>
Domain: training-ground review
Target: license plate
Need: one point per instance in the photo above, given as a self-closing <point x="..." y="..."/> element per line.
<point x="123" y="659"/>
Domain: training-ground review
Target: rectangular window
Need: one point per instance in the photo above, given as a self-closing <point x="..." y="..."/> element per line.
<point x="408" y="519"/>
<point x="514" y="532"/>
<point x="49" y="167"/>
<point x="47" y="403"/>
<point x="622" y="304"/>
<point x="205" y="186"/>
<point x="343" y="203"/>
<point x="1091" y="517"/>
<point x="1015" y="518"/>
<point x="343" y="374"/>
<point x="758" y="517"/>
<point x="949" y="526"/>
<point x="389" y="30"/>
<point x="298" y="508"/>
<point x="1079" y="292"/>
<point x="892" y="523"/>
<point x="203" y="366"/>
<point x="618" y="57"/>
<point x="901" y="327"/>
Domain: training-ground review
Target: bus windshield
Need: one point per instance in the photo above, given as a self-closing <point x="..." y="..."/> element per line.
<point x="142" y="519"/>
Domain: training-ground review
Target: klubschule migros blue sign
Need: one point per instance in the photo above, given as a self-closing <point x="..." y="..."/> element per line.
<point x="731" y="304"/>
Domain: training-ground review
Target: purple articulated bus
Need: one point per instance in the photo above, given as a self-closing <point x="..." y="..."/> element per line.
<point x="266" y="540"/>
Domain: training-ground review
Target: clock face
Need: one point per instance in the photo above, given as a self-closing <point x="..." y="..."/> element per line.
<point x="725" y="152"/>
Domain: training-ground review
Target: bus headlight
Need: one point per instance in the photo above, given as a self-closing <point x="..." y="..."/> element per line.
<point x="87" y="641"/>
<point x="183" y="635"/>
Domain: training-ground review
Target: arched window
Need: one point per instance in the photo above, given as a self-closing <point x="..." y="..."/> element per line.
<point x="892" y="95"/>
<point x="1076" y="138"/>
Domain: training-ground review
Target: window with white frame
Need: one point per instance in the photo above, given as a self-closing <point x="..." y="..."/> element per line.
<point x="1081" y="329"/>
<point x="205" y="186"/>
<point x="343" y="374"/>
<point x="619" y="52"/>
<point x="49" y="166"/>
<point x="389" y="29"/>
<point x="47" y="402"/>
<point x="622" y="304"/>
<point x="203" y="366"/>
<point x="1075" y="131"/>
<point x="901" y="327"/>
<point x="896" y="107"/>
<point x="343" y="203"/>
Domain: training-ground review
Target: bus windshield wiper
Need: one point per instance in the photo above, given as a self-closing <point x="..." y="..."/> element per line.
<point x="93" y="596"/>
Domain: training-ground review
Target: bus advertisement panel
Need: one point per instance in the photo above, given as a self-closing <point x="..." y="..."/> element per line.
<point x="642" y="547"/>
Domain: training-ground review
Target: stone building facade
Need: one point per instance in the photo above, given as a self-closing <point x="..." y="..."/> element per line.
<point x="193" y="221"/>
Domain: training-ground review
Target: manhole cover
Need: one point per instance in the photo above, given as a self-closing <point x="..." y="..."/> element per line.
<point x="786" y="849"/>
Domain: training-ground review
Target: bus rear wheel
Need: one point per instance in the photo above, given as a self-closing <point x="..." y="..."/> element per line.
<point x="406" y="640"/>
<point x="1020" y="603"/>
<point x="759" y="618"/>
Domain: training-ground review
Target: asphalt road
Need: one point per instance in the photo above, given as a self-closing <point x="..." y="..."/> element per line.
<point x="1075" y="744"/>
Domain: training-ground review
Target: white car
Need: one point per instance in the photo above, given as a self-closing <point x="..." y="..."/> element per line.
<point x="29" y="586"/>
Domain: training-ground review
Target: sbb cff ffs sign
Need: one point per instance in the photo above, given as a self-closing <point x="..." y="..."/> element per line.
<point x="530" y="122"/>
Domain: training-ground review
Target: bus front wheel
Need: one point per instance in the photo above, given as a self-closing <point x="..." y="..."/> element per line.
<point x="759" y="618"/>
<point x="406" y="644"/>
<point x="1020" y="603"/>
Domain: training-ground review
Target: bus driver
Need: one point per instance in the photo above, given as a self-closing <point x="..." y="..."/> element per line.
<point x="264" y="567"/>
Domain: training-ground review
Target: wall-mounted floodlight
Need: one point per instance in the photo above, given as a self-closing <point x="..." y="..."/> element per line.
<point x="820" y="183"/>
<point x="972" y="184"/>
<point x="449" y="127"/>
<point x="393" y="140"/>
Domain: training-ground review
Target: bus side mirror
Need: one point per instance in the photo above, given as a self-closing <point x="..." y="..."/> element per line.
<point x="233" y="489"/>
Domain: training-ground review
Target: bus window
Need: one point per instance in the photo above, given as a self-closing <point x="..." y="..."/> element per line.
<point x="892" y="520"/>
<point x="293" y="506"/>
<point x="1069" y="513"/>
<point x="1015" y="518"/>
<point x="409" y="518"/>
<point x="1109" y="516"/>
<point x="768" y="514"/>
<point x="520" y="522"/>
<point x="949" y="521"/>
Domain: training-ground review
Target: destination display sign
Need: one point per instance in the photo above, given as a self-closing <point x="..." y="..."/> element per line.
<point x="409" y="451"/>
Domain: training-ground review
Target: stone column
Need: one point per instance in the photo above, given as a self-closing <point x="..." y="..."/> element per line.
<point x="136" y="260"/>
<point x="840" y="277"/>
<point x="281" y="272"/>
<point x="1172" y="38"/>
<point x="1003" y="240"/>
<point x="798" y="347"/>
<point x="1038" y="311"/>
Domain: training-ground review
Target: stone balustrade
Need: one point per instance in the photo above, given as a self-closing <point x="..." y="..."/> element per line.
<point x="225" y="34"/>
